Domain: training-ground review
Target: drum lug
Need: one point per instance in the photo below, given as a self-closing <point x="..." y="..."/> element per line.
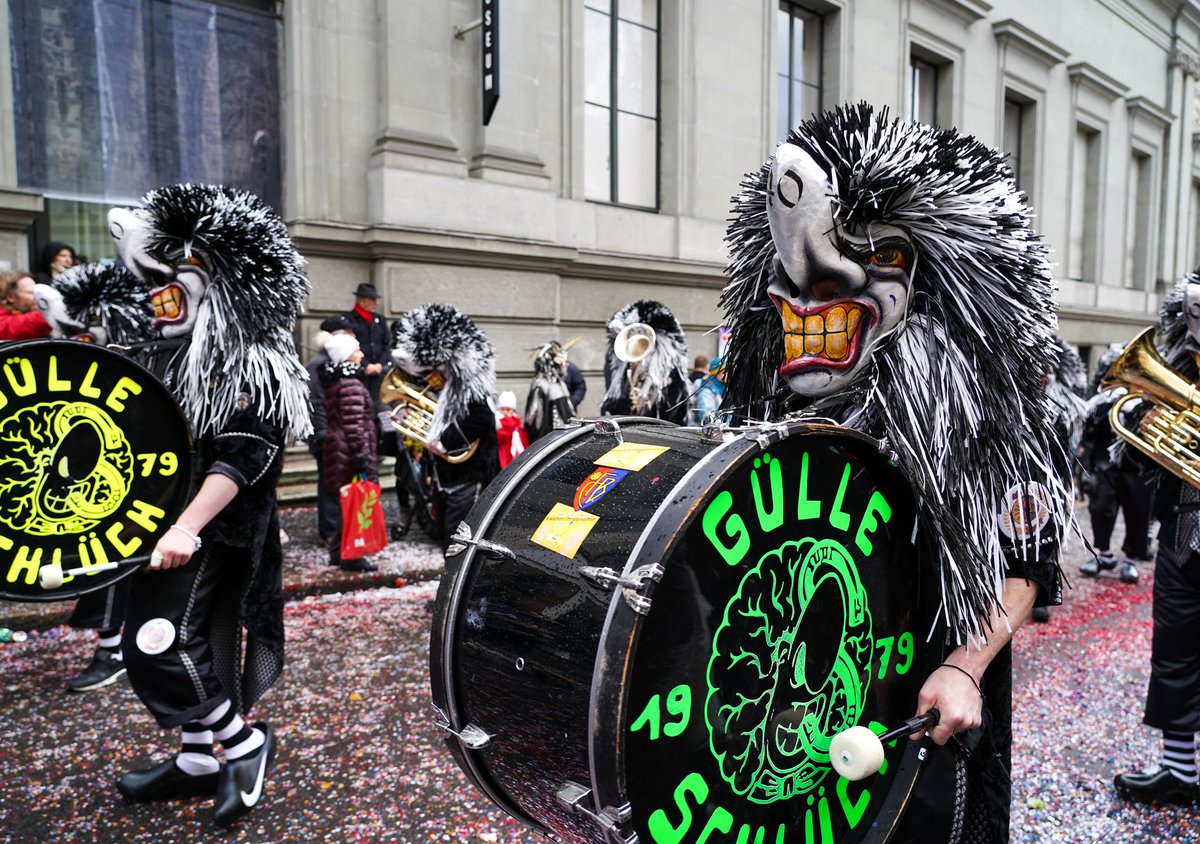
<point x="631" y="586"/>
<point x="610" y="428"/>
<point x="462" y="538"/>
<point x="577" y="798"/>
<point x="472" y="737"/>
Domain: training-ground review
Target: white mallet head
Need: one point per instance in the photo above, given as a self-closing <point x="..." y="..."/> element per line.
<point x="50" y="576"/>
<point x="856" y="753"/>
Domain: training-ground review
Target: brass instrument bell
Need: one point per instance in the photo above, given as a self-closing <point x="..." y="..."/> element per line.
<point x="1170" y="436"/>
<point x="421" y="407"/>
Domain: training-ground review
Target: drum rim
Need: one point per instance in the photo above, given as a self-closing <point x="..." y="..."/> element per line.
<point x="185" y="465"/>
<point x="442" y="641"/>
<point x="618" y="635"/>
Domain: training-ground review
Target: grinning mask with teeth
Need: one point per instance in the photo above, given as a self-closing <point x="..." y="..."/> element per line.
<point x="839" y="294"/>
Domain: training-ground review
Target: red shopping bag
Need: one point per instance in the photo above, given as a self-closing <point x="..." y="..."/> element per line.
<point x="363" y="531"/>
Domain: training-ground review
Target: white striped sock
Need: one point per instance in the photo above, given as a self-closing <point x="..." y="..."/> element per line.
<point x="246" y="747"/>
<point x="1179" y="755"/>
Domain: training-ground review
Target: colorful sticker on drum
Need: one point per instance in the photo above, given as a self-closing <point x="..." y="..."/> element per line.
<point x="596" y="486"/>
<point x="1026" y="511"/>
<point x="631" y="456"/>
<point x="563" y="530"/>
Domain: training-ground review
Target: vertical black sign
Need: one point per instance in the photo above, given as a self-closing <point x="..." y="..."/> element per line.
<point x="490" y="67"/>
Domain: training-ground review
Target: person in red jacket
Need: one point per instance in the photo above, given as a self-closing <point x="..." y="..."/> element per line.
<point x="510" y="435"/>
<point x="20" y="318"/>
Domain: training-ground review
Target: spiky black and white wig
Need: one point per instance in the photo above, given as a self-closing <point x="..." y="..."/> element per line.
<point x="1174" y="342"/>
<point x="1109" y="356"/>
<point x="441" y="337"/>
<point x="108" y="296"/>
<point x="242" y="338"/>
<point x="957" y="391"/>
<point x="1067" y="392"/>
<point x="668" y="356"/>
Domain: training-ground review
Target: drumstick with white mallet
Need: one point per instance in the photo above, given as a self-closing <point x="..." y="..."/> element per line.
<point x="857" y="753"/>
<point x="51" y="576"/>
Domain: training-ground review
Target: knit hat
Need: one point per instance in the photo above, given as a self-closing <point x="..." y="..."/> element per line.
<point x="507" y="399"/>
<point x="339" y="347"/>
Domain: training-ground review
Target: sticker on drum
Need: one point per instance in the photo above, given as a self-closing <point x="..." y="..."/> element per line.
<point x="630" y="455"/>
<point x="564" y="529"/>
<point x="792" y="608"/>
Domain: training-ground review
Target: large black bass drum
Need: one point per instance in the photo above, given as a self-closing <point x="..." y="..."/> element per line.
<point x="95" y="464"/>
<point x="646" y="633"/>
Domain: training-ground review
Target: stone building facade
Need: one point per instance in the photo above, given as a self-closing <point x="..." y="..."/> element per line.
<point x="621" y="130"/>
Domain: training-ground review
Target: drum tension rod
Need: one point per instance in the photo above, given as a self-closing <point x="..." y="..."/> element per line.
<point x="462" y="538"/>
<point x="609" y="427"/>
<point x="632" y="586"/>
<point x="472" y="737"/>
<point x="572" y="795"/>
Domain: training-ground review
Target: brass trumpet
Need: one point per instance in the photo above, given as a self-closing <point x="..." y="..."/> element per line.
<point x="1171" y="436"/>
<point x="421" y="407"/>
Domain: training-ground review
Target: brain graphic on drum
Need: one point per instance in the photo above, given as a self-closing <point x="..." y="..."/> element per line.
<point x="648" y="635"/>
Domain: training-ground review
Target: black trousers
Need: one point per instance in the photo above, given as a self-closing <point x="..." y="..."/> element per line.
<point x="1173" y="697"/>
<point x="201" y="602"/>
<point x="456" y="502"/>
<point x="103" y="609"/>
<point x="1132" y="494"/>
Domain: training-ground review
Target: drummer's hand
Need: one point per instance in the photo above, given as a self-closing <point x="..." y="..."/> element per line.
<point x="954" y="696"/>
<point x="175" y="550"/>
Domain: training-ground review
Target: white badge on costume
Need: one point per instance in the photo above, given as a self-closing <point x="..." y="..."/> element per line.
<point x="1026" y="511"/>
<point x="155" y="636"/>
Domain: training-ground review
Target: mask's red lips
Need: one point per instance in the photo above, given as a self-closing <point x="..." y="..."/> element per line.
<point x="825" y="336"/>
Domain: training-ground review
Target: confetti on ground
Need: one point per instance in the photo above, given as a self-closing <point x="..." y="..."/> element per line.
<point x="360" y="759"/>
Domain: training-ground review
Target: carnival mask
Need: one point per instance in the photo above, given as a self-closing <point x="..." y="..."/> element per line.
<point x="840" y="293"/>
<point x="177" y="288"/>
<point x="1191" y="313"/>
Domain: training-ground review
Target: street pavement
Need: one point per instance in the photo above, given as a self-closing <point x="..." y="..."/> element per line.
<point x="361" y="761"/>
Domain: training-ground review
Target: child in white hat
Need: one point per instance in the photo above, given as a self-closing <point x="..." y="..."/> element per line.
<point x="510" y="434"/>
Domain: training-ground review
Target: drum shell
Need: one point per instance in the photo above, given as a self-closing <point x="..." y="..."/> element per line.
<point x="559" y="694"/>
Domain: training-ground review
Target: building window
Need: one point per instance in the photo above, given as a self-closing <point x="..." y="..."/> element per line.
<point x="923" y="91"/>
<point x="114" y="97"/>
<point x="1137" y="222"/>
<point x="1085" y="198"/>
<point x="800" y="46"/>
<point x="1020" y="126"/>
<point x="620" y="146"/>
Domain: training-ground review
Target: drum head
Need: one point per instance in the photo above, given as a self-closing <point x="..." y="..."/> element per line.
<point x="792" y="608"/>
<point x="96" y="464"/>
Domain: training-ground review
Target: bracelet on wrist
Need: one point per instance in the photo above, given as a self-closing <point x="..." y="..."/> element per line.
<point x="965" y="672"/>
<point x="189" y="535"/>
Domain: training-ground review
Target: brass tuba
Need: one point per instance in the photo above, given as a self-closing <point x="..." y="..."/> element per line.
<point x="1170" y="436"/>
<point x="421" y="407"/>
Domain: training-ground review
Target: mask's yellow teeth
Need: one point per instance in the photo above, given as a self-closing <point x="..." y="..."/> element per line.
<point x="167" y="302"/>
<point x="827" y="334"/>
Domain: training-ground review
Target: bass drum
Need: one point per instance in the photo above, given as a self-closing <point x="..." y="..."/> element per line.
<point x="646" y="635"/>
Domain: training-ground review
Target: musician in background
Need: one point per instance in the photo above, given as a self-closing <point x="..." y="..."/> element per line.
<point x="1173" y="694"/>
<point x="1113" y="485"/>
<point x="886" y="275"/>
<point x="203" y="635"/>
<point x="443" y="350"/>
<point x="645" y="371"/>
<point x="549" y="401"/>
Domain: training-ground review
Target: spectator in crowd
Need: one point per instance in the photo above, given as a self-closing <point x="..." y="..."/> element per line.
<point x="327" y="501"/>
<point x="20" y="318"/>
<point x="576" y="385"/>
<point x="510" y="434"/>
<point x="699" y="369"/>
<point x="706" y="398"/>
<point x="374" y="338"/>
<point x="56" y="259"/>
<point x="350" y="443"/>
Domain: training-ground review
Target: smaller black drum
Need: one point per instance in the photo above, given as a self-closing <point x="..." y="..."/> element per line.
<point x="95" y="464"/>
<point x="646" y="635"/>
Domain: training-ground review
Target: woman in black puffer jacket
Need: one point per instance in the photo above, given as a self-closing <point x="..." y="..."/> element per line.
<point x="350" y="443"/>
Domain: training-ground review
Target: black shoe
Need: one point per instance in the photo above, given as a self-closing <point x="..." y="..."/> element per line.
<point x="241" y="783"/>
<point x="1159" y="786"/>
<point x="104" y="670"/>
<point x="1129" y="572"/>
<point x="358" y="565"/>
<point x="164" y="781"/>
<point x="1040" y="614"/>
